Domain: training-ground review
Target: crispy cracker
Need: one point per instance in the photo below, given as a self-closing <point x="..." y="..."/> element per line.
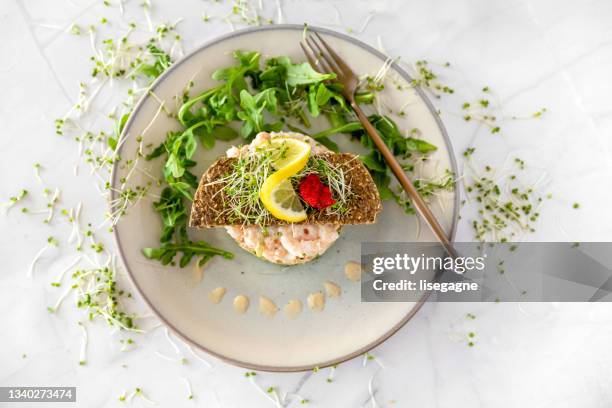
<point x="363" y="203"/>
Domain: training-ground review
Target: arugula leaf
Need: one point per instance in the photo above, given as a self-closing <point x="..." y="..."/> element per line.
<point x="190" y="249"/>
<point x="185" y="116"/>
<point x="207" y="139"/>
<point x="396" y="141"/>
<point x="225" y="133"/>
<point x="313" y="105"/>
<point x="419" y="145"/>
<point x="330" y="144"/>
<point x="172" y="212"/>
<point x="274" y="74"/>
<point x="183" y="188"/>
<point x="323" y="95"/>
<point x="189" y="139"/>
<point x="303" y="74"/>
<point x="253" y="107"/>
<point x="349" y="127"/>
<point x="364" y="97"/>
<point x="373" y="162"/>
<point x="173" y="166"/>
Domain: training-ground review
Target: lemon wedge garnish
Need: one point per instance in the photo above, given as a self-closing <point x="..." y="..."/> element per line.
<point x="277" y="193"/>
<point x="281" y="200"/>
<point x="289" y="155"/>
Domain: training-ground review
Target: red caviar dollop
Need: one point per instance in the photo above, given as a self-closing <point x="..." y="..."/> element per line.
<point x="315" y="193"/>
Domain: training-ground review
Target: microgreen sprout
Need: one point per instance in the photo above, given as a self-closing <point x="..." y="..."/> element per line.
<point x="481" y="111"/>
<point x="269" y="392"/>
<point x="75" y="233"/>
<point x="57" y="282"/>
<point x="15" y="199"/>
<point x="469" y="151"/>
<point x="199" y="358"/>
<point x="51" y="206"/>
<point x="84" y="341"/>
<point x="166" y="357"/>
<point x="37" y="172"/>
<point x="539" y="113"/>
<point x="428" y="189"/>
<point x="505" y="207"/>
<point x="243" y="12"/>
<point x="140" y="394"/>
<point x="424" y="77"/>
<point x="330" y="377"/>
<point x="51" y="242"/>
<point x="60" y="300"/>
<point x="98" y="294"/>
<point x="366" y="358"/>
<point x="535" y="115"/>
<point x="126" y="344"/>
<point x="190" y="395"/>
<point x="74" y="29"/>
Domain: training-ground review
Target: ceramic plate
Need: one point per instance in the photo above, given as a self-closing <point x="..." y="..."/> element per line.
<point x="346" y="327"/>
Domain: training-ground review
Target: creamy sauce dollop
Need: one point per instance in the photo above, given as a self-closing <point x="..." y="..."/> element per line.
<point x="293" y="308"/>
<point x="216" y="295"/>
<point x="241" y="304"/>
<point x="267" y="307"/>
<point x="316" y="301"/>
<point x="352" y="271"/>
<point x="332" y="289"/>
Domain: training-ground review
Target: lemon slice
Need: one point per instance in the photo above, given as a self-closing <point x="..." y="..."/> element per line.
<point x="290" y="155"/>
<point x="279" y="197"/>
<point x="277" y="194"/>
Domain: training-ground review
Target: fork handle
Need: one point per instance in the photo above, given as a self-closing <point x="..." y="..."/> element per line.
<point x="417" y="200"/>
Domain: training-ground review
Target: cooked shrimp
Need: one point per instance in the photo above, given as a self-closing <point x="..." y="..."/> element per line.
<point x="287" y="244"/>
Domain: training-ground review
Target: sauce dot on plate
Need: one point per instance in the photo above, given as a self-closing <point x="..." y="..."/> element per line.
<point x="352" y="271"/>
<point x="316" y="301"/>
<point x="241" y="304"/>
<point x="267" y="307"/>
<point x="293" y="308"/>
<point x="216" y="295"/>
<point x="331" y="289"/>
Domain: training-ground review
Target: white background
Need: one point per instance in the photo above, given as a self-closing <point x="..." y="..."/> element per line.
<point x="532" y="54"/>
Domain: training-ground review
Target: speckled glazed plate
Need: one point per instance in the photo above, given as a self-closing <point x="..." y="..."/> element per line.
<point x="346" y="327"/>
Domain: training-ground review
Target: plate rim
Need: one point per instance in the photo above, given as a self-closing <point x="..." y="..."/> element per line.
<point x="299" y="27"/>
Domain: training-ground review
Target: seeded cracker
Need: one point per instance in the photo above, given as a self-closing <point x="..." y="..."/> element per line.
<point x="363" y="205"/>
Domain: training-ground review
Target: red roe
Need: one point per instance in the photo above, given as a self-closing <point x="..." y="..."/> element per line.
<point x="315" y="193"/>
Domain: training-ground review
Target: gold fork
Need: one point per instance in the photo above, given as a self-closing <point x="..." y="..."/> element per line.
<point x="323" y="58"/>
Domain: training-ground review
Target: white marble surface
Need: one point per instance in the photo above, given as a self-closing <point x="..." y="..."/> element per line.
<point x="548" y="53"/>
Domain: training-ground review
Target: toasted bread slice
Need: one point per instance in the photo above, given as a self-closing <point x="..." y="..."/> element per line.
<point x="363" y="205"/>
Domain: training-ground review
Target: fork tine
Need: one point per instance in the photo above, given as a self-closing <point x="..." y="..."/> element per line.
<point x="322" y="61"/>
<point x="311" y="59"/>
<point x="342" y="66"/>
